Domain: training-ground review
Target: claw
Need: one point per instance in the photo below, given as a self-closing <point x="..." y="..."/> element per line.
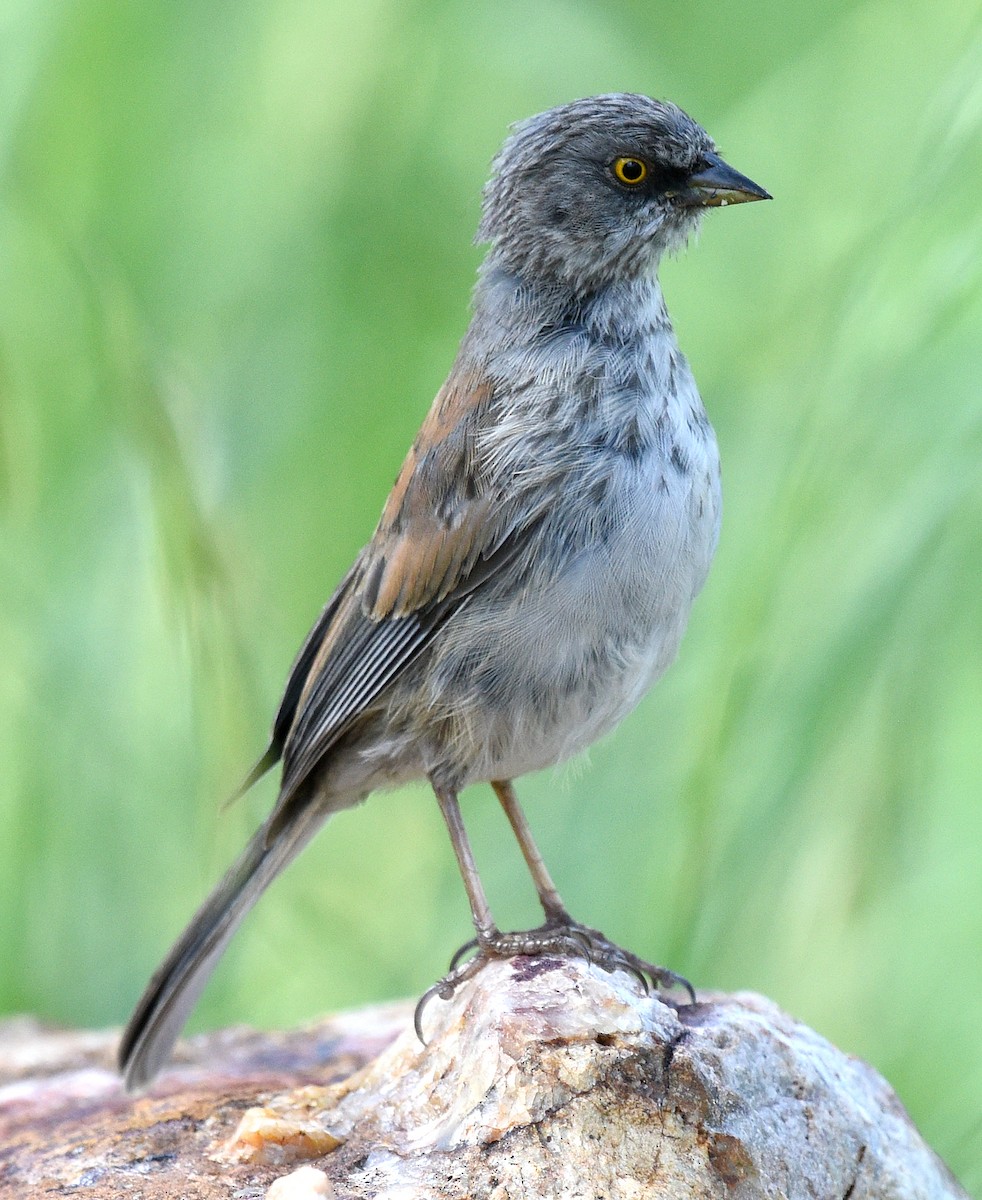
<point x="584" y="940"/>
<point x="639" y="975"/>
<point x="427" y="996"/>
<point x="445" y="988"/>
<point x="460" y="952"/>
<point x="669" y="979"/>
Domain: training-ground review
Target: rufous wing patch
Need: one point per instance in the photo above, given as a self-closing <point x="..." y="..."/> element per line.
<point x="435" y="517"/>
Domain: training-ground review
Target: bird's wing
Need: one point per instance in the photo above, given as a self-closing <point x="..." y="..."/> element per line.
<point x="444" y="530"/>
<point x="294" y="688"/>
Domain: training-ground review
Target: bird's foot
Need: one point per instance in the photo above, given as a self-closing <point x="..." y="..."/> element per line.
<point x="611" y="957"/>
<point x="561" y="937"/>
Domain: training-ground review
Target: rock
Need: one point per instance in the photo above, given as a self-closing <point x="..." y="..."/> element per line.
<point x="541" y="1078"/>
<point x="306" y="1183"/>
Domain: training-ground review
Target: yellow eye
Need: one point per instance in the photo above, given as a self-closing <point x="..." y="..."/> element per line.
<point x="631" y="171"/>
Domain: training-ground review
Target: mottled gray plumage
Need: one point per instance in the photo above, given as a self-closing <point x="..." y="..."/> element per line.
<point x="535" y="564"/>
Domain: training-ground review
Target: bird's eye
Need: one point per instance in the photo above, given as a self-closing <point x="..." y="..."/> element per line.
<point x="630" y="171"/>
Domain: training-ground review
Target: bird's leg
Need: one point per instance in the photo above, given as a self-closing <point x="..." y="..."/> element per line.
<point x="595" y="946"/>
<point x="555" y="936"/>
<point x="549" y="897"/>
<point x="560" y="935"/>
<point x="480" y="909"/>
<point x="559" y="931"/>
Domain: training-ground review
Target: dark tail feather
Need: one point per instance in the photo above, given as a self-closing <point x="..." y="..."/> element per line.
<point x="175" y="987"/>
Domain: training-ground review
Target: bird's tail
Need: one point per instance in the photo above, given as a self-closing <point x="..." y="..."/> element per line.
<point x="175" y="987"/>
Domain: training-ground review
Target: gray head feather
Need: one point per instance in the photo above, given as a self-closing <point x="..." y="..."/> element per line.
<point x="553" y="209"/>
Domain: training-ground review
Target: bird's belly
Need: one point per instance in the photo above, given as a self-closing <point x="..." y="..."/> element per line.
<point x="525" y="679"/>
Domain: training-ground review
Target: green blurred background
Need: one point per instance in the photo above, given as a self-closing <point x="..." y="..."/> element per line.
<point x="235" y="257"/>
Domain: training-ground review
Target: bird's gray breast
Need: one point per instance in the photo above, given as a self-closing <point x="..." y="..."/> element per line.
<point x="546" y="660"/>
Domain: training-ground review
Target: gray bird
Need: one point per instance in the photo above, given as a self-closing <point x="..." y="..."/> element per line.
<point x="535" y="563"/>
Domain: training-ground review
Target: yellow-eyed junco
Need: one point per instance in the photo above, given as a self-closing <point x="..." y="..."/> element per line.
<point x="536" y="560"/>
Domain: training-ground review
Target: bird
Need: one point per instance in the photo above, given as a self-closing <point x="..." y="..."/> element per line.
<point x="536" y="560"/>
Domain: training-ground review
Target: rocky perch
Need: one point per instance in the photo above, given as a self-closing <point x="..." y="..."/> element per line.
<point x="541" y="1078"/>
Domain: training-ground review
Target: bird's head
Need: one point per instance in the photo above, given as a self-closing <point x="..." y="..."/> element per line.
<point x="594" y="192"/>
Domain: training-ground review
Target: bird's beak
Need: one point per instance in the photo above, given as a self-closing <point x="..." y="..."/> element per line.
<point x="717" y="185"/>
